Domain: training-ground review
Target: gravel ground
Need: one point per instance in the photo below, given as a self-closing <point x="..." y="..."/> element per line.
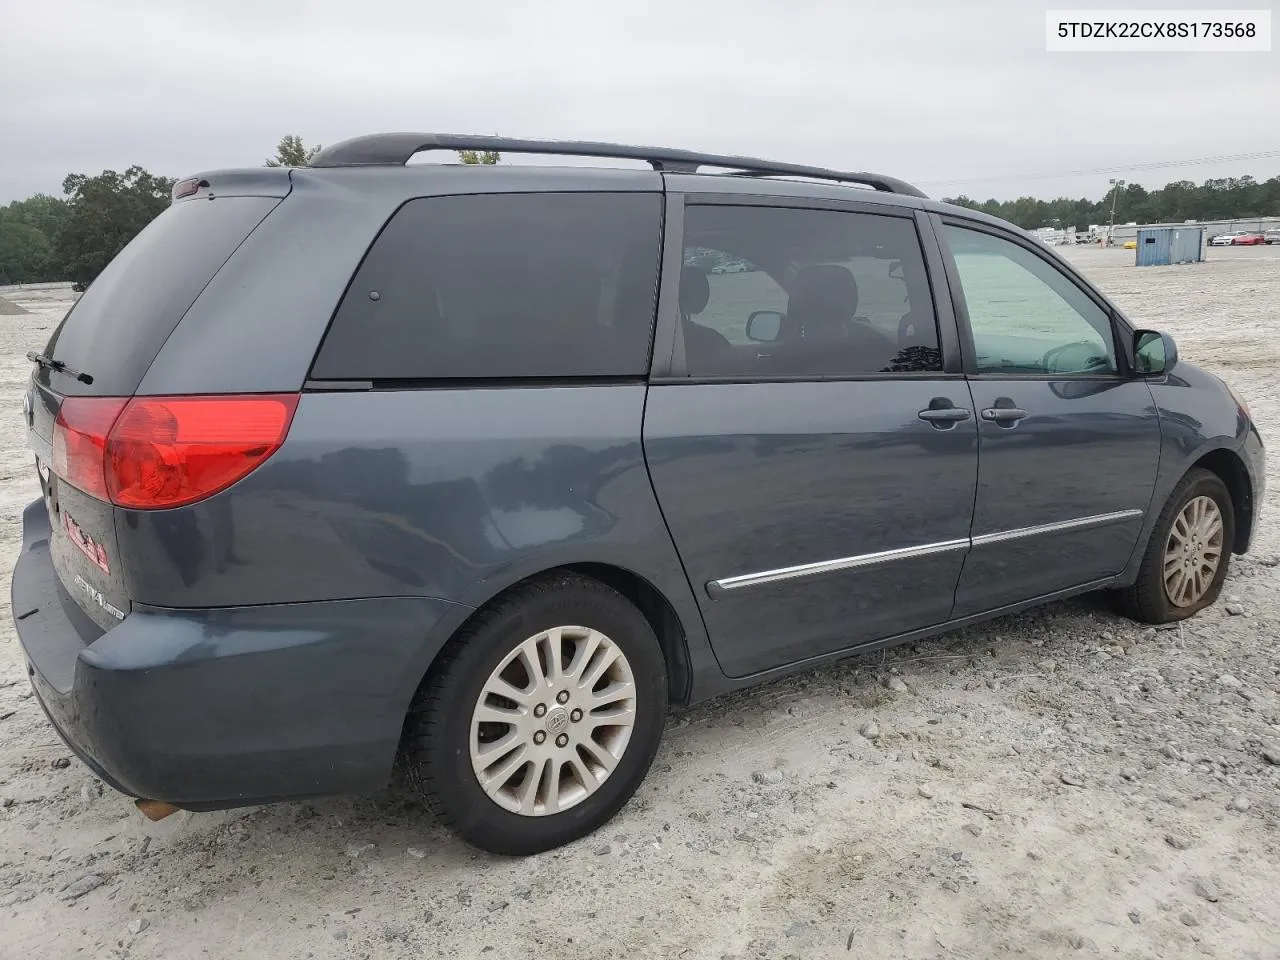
<point x="1059" y="783"/>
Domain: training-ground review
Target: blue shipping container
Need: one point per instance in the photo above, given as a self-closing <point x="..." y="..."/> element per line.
<point x="1161" y="246"/>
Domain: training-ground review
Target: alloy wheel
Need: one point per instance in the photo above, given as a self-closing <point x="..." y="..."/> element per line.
<point x="552" y="721"/>
<point x="1193" y="552"/>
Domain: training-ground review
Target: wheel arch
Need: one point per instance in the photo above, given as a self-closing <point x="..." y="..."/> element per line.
<point x="660" y="613"/>
<point x="656" y="608"/>
<point x="1228" y="467"/>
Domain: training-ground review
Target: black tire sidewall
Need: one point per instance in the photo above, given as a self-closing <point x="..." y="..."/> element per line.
<point x="1201" y="483"/>
<point x="447" y="752"/>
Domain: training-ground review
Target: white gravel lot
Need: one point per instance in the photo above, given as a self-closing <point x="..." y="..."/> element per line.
<point x="1057" y="784"/>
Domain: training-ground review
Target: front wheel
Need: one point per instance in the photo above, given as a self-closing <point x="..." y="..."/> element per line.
<point x="1185" y="563"/>
<point x="542" y="717"/>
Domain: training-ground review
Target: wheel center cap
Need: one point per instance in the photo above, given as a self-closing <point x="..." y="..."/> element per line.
<point x="557" y="720"/>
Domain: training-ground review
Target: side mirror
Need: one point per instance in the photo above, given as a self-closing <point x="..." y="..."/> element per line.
<point x="1154" y="353"/>
<point x="763" y="326"/>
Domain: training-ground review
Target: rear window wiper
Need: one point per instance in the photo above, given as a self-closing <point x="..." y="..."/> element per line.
<point x="58" y="366"/>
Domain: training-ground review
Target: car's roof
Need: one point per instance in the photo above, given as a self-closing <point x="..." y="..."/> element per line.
<point x="391" y="153"/>
<point x="397" y="149"/>
<point x="381" y="166"/>
<point x="395" y="184"/>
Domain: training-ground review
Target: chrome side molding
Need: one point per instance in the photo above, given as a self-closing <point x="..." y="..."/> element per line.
<point x="1062" y="526"/>
<point x="722" y="587"/>
<point x="719" y="587"/>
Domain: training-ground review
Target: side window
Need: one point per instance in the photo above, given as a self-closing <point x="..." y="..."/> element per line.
<point x="785" y="292"/>
<point x="1026" y="315"/>
<point x="502" y="286"/>
<point x="730" y="281"/>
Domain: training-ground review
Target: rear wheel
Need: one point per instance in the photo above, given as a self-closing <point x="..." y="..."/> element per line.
<point x="542" y="717"/>
<point x="1186" y="559"/>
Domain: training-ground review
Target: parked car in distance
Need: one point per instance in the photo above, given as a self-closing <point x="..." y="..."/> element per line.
<point x="506" y="474"/>
<point x="1223" y="239"/>
<point x="1272" y="236"/>
<point x="1248" y="239"/>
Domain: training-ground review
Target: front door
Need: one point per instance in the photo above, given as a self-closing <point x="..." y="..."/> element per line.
<point x="1068" y="442"/>
<point x="814" y="462"/>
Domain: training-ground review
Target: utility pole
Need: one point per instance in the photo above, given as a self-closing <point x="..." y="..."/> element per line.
<point x="1115" y="192"/>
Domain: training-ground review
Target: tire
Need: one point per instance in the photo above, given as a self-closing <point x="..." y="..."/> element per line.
<point x="441" y="730"/>
<point x="1148" y="599"/>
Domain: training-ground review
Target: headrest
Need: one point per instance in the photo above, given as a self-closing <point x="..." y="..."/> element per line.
<point x="828" y="291"/>
<point x="695" y="290"/>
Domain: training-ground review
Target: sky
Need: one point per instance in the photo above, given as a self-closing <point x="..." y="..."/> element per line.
<point x="955" y="96"/>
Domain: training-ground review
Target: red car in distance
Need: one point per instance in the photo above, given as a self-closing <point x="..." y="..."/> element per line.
<point x="1248" y="239"/>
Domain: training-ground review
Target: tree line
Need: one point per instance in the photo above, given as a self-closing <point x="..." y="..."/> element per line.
<point x="46" y="238"/>
<point x="1232" y="198"/>
<point x="73" y="237"/>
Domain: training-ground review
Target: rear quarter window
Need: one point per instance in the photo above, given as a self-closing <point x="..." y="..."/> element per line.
<point x="118" y="326"/>
<point x="496" y="286"/>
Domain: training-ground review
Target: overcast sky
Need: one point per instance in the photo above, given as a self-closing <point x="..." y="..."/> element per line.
<point x="957" y="96"/>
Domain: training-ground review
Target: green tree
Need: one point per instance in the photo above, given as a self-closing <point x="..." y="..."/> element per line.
<point x="103" y="214"/>
<point x="47" y="214"/>
<point x="28" y="231"/>
<point x="486" y="157"/>
<point x="26" y="255"/>
<point x="292" y="152"/>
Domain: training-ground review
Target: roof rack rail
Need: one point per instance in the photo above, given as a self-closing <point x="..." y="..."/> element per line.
<point x="395" y="149"/>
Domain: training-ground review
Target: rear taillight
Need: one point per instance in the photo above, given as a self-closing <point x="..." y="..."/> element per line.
<point x="80" y="439"/>
<point x="149" y="453"/>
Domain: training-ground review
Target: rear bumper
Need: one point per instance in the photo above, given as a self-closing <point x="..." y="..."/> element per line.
<point x="230" y="706"/>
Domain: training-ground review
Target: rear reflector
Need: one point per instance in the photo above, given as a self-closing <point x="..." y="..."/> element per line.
<point x="150" y="453"/>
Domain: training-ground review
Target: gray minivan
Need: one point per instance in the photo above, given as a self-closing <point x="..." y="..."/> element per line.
<point x="486" y="466"/>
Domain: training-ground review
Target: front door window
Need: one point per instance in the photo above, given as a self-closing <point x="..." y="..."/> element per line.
<point x="1026" y="316"/>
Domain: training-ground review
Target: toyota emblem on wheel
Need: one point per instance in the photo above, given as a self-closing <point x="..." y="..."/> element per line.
<point x="557" y="720"/>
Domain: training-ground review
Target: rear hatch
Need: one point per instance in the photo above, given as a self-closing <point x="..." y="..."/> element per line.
<point x="96" y="359"/>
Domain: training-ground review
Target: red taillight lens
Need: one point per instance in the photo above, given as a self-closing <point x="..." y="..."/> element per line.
<point x="80" y="440"/>
<point x="172" y="451"/>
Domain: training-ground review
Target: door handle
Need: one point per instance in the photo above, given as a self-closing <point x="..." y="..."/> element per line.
<point x="943" y="417"/>
<point x="1003" y="415"/>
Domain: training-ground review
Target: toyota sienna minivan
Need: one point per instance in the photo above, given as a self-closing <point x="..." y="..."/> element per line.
<point x="485" y="467"/>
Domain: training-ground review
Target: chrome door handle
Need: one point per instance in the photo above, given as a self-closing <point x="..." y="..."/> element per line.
<point x="1003" y="414"/>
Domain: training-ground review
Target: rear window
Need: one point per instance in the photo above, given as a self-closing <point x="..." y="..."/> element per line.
<point x="503" y="286"/>
<point x="120" y="323"/>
